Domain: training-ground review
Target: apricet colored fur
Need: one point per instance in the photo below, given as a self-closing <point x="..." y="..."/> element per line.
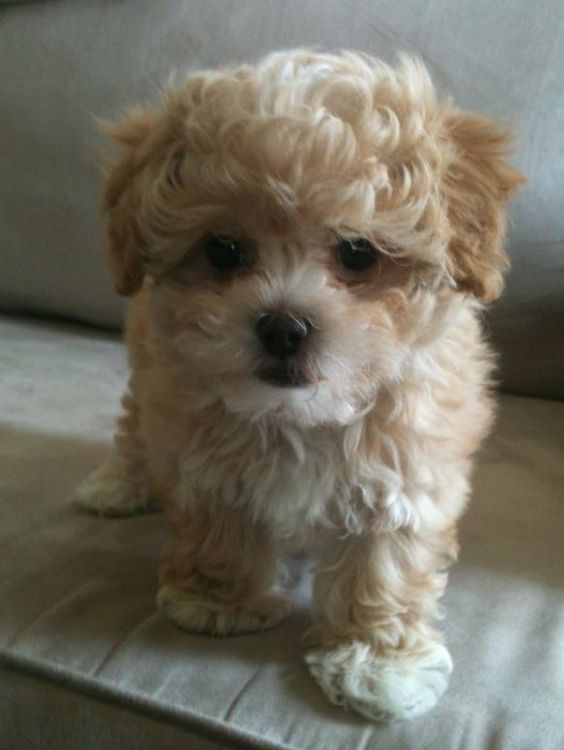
<point x="367" y="467"/>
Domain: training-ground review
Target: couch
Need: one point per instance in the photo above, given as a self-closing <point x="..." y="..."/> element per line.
<point x="86" y="661"/>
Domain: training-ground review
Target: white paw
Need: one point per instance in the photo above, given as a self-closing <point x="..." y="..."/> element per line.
<point x="382" y="688"/>
<point x="108" y="493"/>
<point x="191" y="611"/>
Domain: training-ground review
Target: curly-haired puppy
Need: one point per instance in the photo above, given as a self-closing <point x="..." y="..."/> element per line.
<point x="308" y="244"/>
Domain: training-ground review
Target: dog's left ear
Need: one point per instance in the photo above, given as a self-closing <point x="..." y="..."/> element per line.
<point x="478" y="183"/>
<point x="121" y="197"/>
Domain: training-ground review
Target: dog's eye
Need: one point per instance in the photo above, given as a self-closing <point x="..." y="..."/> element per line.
<point x="357" y="254"/>
<point x="224" y="253"/>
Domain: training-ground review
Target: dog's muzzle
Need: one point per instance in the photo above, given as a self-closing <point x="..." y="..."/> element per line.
<point x="281" y="336"/>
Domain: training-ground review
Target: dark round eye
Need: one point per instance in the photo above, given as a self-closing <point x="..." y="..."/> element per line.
<point x="224" y="253"/>
<point x="357" y="254"/>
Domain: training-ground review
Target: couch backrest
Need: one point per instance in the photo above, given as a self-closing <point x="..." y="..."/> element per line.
<point x="63" y="63"/>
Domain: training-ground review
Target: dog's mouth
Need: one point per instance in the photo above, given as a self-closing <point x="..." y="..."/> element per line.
<point x="283" y="377"/>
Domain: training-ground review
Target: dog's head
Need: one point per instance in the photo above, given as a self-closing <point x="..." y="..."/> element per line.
<point x="303" y="225"/>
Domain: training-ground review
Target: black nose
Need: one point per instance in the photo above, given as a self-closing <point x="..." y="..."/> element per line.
<point x="282" y="333"/>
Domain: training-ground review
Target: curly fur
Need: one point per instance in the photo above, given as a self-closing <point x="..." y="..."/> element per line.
<point x="368" y="466"/>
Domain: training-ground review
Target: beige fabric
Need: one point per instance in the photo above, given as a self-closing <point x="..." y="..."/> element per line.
<point x="46" y="715"/>
<point x="82" y="645"/>
<point x="64" y="62"/>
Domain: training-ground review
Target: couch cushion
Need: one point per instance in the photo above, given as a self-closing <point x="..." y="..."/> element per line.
<point x="82" y="643"/>
<point x="63" y="63"/>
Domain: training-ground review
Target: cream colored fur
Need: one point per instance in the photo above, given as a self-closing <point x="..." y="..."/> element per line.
<point x="367" y="467"/>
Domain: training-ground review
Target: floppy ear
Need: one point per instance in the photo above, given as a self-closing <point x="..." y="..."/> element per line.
<point x="121" y="198"/>
<point x="478" y="183"/>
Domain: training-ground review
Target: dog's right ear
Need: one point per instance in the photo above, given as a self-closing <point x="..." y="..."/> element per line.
<point x="121" y="197"/>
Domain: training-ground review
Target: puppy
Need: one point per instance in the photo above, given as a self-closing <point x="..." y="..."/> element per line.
<point x="308" y="244"/>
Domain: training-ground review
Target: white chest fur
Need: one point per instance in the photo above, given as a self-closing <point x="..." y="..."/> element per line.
<point x="284" y="476"/>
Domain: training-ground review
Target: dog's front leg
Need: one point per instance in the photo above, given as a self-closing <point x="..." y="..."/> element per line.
<point x="377" y="596"/>
<point x="217" y="572"/>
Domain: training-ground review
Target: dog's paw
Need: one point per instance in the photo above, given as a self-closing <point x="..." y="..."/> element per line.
<point x="106" y="492"/>
<point x="382" y="688"/>
<point x="190" y="610"/>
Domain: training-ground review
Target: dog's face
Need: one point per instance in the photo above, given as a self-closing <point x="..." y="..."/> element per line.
<point x="305" y="226"/>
